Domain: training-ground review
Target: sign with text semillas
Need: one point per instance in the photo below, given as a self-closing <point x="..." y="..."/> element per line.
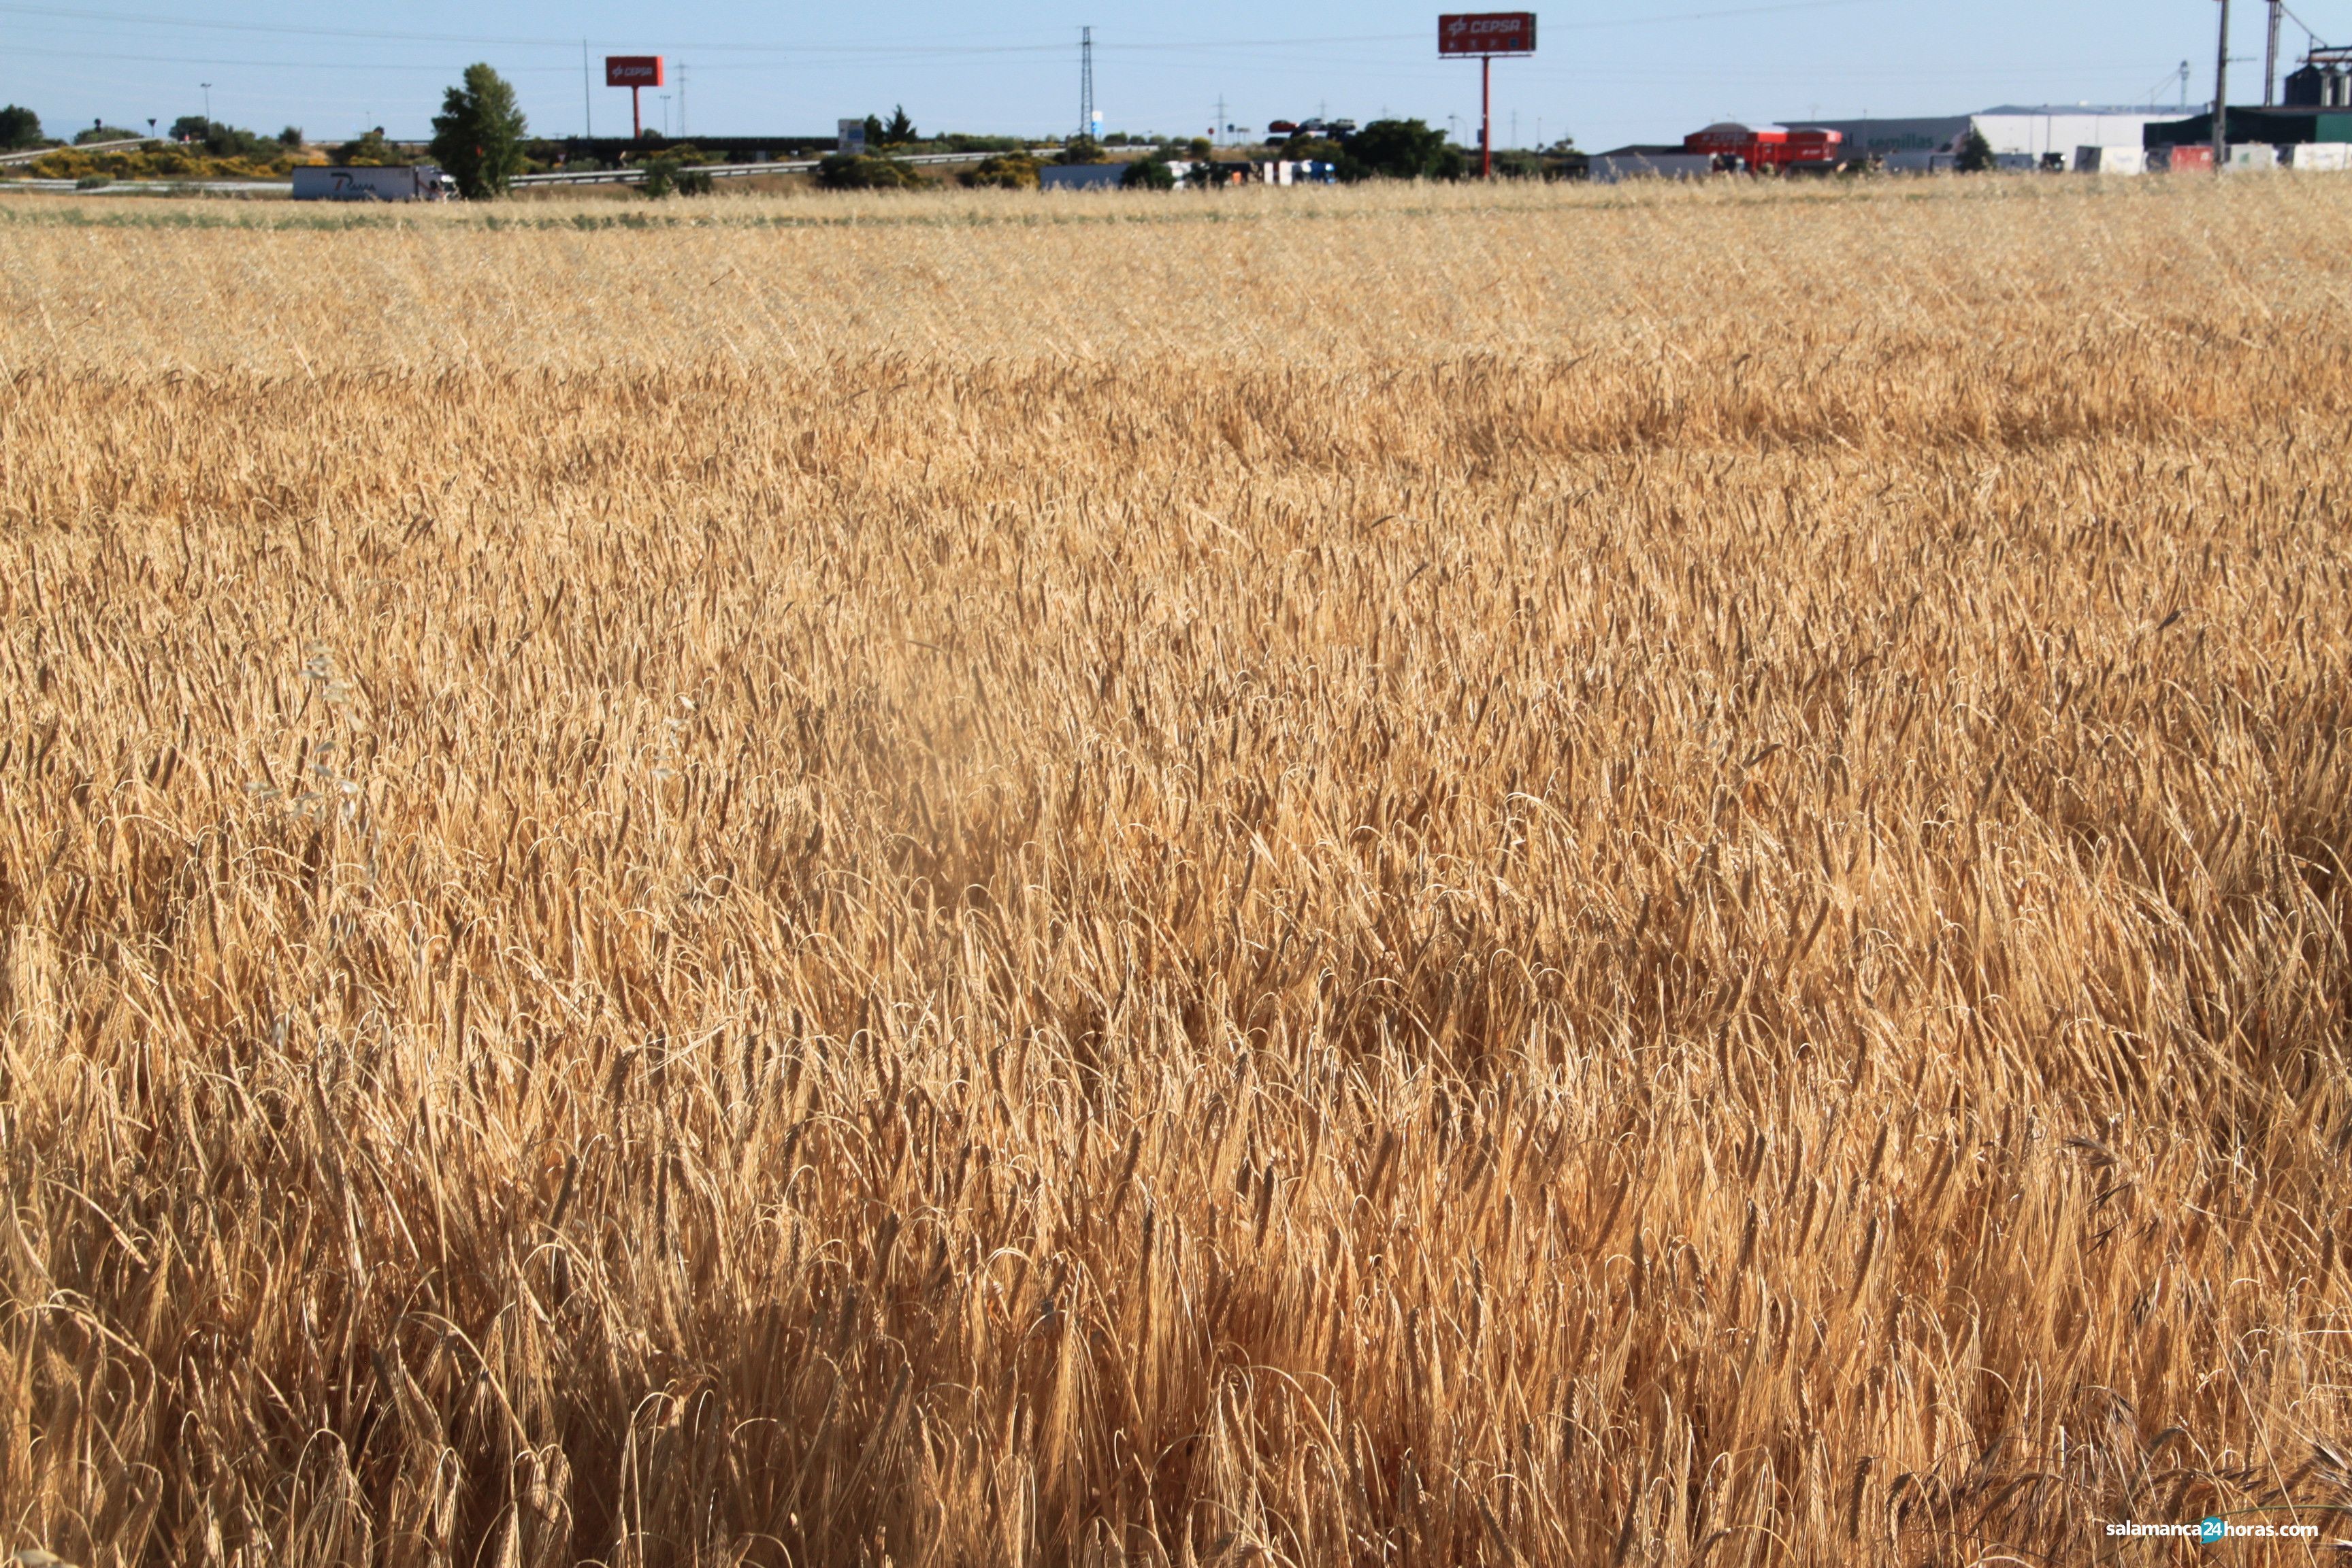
<point x="1487" y="33"/>
<point x="633" y="70"/>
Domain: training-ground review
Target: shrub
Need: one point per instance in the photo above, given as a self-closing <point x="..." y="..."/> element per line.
<point x="103" y="132"/>
<point x="1976" y="154"/>
<point x="222" y="141"/>
<point x="1082" y="150"/>
<point x="370" y="150"/>
<point x="1009" y="171"/>
<point x="671" y="175"/>
<point x="864" y="171"/>
<point x="477" y="136"/>
<point x="1150" y="174"/>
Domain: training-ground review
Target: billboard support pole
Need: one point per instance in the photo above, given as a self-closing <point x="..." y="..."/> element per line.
<point x="1485" y="117"/>
<point x="636" y="122"/>
<point x="1485" y="34"/>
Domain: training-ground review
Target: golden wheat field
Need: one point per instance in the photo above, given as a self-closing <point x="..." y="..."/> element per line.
<point x="1422" y="877"/>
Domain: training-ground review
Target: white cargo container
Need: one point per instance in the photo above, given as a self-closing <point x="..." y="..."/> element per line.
<point x="2324" y="157"/>
<point x="2251" y="157"/>
<point x="2110" y="160"/>
<point x="410" y="183"/>
<point x="1610" y="168"/>
<point x="1081" y="176"/>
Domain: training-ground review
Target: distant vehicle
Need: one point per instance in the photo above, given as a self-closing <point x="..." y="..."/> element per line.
<point x="1282" y="127"/>
<point x="1740" y="149"/>
<point x="409" y="183"/>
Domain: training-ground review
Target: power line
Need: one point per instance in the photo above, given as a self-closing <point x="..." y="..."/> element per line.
<point x="445" y="68"/>
<point x="2308" y="31"/>
<point x="885" y="51"/>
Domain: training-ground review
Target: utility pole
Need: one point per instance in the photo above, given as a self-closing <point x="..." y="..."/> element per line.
<point x="209" y="103"/>
<point x="1217" y="131"/>
<point x="587" y="99"/>
<point x="2221" y="95"/>
<point x="1086" y="82"/>
<point x="681" y="98"/>
<point x="2184" y="87"/>
<point x="2270" y="59"/>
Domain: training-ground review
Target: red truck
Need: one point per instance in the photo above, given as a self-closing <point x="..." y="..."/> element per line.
<point x="1759" y="148"/>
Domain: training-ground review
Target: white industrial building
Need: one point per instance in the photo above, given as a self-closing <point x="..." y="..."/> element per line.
<point x="2021" y="136"/>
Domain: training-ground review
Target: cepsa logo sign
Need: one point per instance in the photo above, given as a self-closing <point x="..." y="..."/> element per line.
<point x="633" y="70"/>
<point x="1487" y="33"/>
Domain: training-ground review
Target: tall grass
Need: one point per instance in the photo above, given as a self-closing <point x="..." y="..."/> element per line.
<point x="1419" y="878"/>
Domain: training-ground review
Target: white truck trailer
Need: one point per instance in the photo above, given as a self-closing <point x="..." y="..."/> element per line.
<point x="406" y="182"/>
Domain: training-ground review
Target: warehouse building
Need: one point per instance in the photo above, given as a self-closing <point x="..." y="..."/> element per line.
<point x="2299" y="125"/>
<point x="2021" y="136"/>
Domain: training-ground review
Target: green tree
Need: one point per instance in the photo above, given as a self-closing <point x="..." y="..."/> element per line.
<point x="477" y="136"/>
<point x="19" y="127"/>
<point x="900" y="131"/>
<point x="1150" y="174"/>
<point x="290" y="137"/>
<point x="1976" y="154"/>
<point x="1401" y="150"/>
<point x="1082" y="150"/>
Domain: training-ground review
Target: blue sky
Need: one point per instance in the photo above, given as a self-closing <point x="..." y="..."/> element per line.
<point x="1607" y="73"/>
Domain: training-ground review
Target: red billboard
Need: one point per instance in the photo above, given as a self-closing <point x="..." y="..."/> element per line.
<point x="633" y="70"/>
<point x="1487" y="33"/>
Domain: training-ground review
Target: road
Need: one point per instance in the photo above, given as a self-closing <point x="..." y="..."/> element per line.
<point x="29" y="154"/>
<point x="156" y="187"/>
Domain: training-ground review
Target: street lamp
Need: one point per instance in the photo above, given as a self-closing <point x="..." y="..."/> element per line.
<point x="209" y="104"/>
